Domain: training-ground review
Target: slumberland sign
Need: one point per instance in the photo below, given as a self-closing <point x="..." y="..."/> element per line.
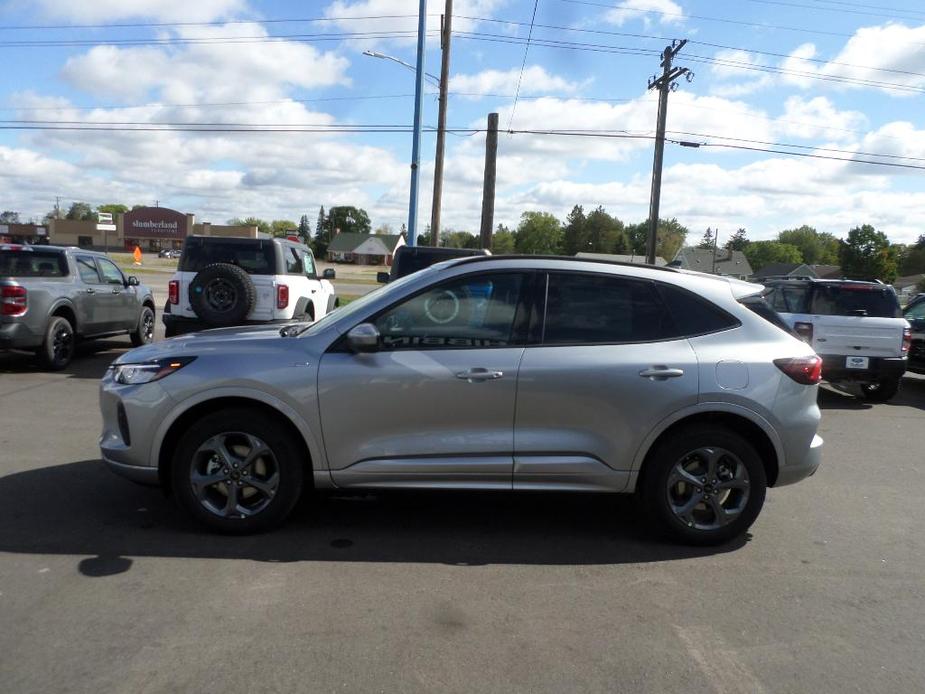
<point x="154" y="222"/>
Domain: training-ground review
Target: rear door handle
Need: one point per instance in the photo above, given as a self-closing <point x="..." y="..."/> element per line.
<point x="660" y="373"/>
<point x="116" y="291"/>
<point x="90" y="290"/>
<point x="478" y="374"/>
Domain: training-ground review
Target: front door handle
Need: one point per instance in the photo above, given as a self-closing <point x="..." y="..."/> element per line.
<point x="660" y="373"/>
<point x="478" y="374"/>
<point x="90" y="290"/>
<point x="116" y="291"/>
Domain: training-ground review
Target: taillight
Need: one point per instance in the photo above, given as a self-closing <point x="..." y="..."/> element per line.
<point x="173" y="292"/>
<point x="13" y="301"/>
<point x="805" y="331"/>
<point x="805" y="370"/>
<point x="282" y="296"/>
<point x="907" y="340"/>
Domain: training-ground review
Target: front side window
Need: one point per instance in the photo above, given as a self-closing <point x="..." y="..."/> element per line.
<point x="917" y="312"/>
<point x="473" y="311"/>
<point x="111" y="274"/>
<point x="86" y="268"/>
<point x="602" y="309"/>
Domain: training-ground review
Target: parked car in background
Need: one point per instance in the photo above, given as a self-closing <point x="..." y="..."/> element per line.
<point x="51" y="297"/>
<point x="410" y="259"/>
<point x="223" y="281"/>
<point x="504" y="373"/>
<point x="168" y="253"/>
<point x="915" y="314"/>
<point x="856" y="327"/>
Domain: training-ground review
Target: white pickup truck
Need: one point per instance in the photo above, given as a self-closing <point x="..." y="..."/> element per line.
<point x="856" y="327"/>
<point x="223" y="281"/>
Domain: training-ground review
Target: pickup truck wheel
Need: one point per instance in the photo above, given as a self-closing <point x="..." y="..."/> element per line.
<point x="237" y="471"/>
<point x="704" y="486"/>
<point x="222" y="294"/>
<point x="881" y="391"/>
<point x="143" y="333"/>
<point x="57" y="349"/>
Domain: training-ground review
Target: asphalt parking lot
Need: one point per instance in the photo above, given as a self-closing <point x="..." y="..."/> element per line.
<point x="105" y="587"/>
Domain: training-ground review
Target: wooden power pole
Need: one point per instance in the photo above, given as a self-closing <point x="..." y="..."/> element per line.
<point x="446" y="32"/>
<point x="665" y="84"/>
<point x="488" y="187"/>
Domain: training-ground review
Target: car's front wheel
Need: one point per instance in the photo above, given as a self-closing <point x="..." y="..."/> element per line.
<point x="238" y="471"/>
<point x="704" y="486"/>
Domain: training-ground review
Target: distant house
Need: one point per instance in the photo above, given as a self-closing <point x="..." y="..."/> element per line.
<point x="725" y="263"/>
<point x="907" y="287"/>
<point x="617" y="258"/>
<point x="828" y="272"/>
<point x="784" y="270"/>
<point x="364" y="249"/>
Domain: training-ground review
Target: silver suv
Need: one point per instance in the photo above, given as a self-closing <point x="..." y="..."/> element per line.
<point x="504" y="373"/>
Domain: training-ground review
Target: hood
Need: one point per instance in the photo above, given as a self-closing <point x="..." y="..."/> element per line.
<point x="239" y="338"/>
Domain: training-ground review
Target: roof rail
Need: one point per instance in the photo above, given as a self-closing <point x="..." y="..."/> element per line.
<point x="491" y="258"/>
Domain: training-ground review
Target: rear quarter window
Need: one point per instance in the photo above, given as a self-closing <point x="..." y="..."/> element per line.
<point x="694" y="315"/>
<point x="256" y="258"/>
<point x="32" y="264"/>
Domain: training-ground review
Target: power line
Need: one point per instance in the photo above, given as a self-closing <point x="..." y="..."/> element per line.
<point x="840" y="10"/>
<point x="523" y="64"/>
<point x="217" y="22"/>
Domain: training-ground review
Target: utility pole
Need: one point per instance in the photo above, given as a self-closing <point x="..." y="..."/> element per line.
<point x="715" y="243"/>
<point x="666" y="83"/>
<point x="488" y="186"/>
<point x="446" y="32"/>
<point x="416" y="137"/>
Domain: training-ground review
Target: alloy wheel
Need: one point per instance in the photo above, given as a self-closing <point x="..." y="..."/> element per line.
<point x="708" y="488"/>
<point x="62" y="344"/>
<point x="234" y="475"/>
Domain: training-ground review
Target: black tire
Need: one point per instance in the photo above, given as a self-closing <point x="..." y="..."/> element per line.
<point x="881" y="391"/>
<point x="222" y="294"/>
<point x="57" y="348"/>
<point x="263" y="510"/>
<point x="143" y="334"/>
<point x="686" y="445"/>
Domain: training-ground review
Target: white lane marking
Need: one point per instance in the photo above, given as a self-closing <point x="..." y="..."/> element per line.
<point x="721" y="665"/>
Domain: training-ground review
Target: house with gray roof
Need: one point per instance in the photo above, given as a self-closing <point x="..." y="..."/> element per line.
<point x="779" y="270"/>
<point x="364" y="249"/>
<point x="714" y="261"/>
<point x="618" y="258"/>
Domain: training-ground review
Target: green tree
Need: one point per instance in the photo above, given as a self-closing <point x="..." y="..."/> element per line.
<point x="319" y="225"/>
<point x="262" y="225"/>
<point x="707" y="240"/>
<point x="866" y="254"/>
<point x="9" y="217"/>
<point x="670" y="238"/>
<point x="305" y="229"/>
<point x="914" y="260"/>
<point x="815" y="247"/>
<point x="283" y="227"/>
<point x="538" y="233"/>
<point x="502" y="241"/>
<point x="761" y="253"/>
<point x="384" y="230"/>
<point x="347" y="219"/>
<point x="113" y="208"/>
<point x="604" y="233"/>
<point x="574" y="234"/>
<point x="458" y="239"/>
<point x="737" y="242"/>
<point x="81" y="211"/>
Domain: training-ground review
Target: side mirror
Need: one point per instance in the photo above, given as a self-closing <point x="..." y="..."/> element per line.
<point x="382" y="277"/>
<point x="363" y="338"/>
<point x="329" y="274"/>
<point x="133" y="281"/>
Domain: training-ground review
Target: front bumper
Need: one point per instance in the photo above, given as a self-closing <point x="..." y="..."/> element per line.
<point x="879" y="368"/>
<point x="136" y="473"/>
<point x="800" y="470"/>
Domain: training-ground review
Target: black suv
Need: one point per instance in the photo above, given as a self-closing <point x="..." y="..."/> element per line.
<point x="409" y="259"/>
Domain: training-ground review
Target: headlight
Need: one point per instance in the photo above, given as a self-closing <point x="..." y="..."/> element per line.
<point x="134" y="374"/>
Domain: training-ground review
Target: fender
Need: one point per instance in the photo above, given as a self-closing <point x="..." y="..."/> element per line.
<point x="703" y="408"/>
<point x="319" y="461"/>
<point x="300" y="306"/>
<point x="58" y="303"/>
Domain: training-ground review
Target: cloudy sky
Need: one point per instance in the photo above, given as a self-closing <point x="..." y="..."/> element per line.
<point x="842" y="81"/>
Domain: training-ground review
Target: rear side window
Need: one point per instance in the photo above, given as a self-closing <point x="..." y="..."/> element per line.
<point x="870" y="300"/>
<point x="602" y="309"/>
<point x="758" y="305"/>
<point x="32" y="264"/>
<point x="694" y="315"/>
<point x="788" y="298"/>
<point x="293" y="261"/>
<point x="256" y="258"/>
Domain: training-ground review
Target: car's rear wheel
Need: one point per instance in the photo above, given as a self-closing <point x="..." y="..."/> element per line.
<point x="143" y="333"/>
<point x="57" y="348"/>
<point x="881" y="390"/>
<point x="704" y="486"/>
<point x="238" y="471"/>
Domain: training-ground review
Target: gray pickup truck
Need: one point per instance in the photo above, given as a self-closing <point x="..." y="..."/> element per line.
<point x="51" y="296"/>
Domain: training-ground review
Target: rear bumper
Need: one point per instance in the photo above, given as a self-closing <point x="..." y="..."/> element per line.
<point x="833" y="368"/>
<point x="795" y="471"/>
<point x="181" y="324"/>
<point x="18" y="335"/>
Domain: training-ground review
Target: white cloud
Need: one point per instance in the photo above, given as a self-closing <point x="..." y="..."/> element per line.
<point x="668" y="12"/>
<point x="159" y="10"/>
<point x="736" y="75"/>
<point x="536" y="80"/>
<point x="819" y="118"/>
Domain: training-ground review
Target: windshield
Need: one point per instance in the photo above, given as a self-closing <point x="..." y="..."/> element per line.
<point x="30" y="263"/>
<point x="359" y="305"/>
<point x="854" y="299"/>
<point x="255" y="258"/>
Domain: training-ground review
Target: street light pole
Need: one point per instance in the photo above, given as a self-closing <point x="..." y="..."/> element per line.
<point x="416" y="137"/>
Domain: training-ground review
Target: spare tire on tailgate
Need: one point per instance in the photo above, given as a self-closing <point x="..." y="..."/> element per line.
<point x="222" y="294"/>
